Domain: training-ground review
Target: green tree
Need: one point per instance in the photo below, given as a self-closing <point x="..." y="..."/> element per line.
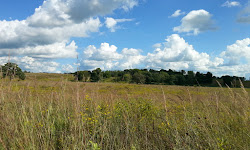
<point x="127" y="77"/>
<point x="227" y="80"/>
<point x="148" y="77"/>
<point x="180" y="80"/>
<point x="209" y="78"/>
<point x="83" y="76"/>
<point x="107" y="74"/>
<point x="191" y="78"/>
<point x="138" y="78"/>
<point x="12" y="70"/>
<point x="96" y="75"/>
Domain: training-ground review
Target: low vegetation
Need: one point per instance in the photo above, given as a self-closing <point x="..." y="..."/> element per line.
<point x="60" y="114"/>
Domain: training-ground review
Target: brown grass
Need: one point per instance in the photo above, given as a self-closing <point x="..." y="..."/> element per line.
<point x="48" y="111"/>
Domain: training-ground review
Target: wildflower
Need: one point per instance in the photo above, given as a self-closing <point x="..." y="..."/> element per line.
<point x="87" y="97"/>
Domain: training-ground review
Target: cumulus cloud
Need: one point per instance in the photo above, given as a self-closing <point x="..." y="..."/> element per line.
<point x="177" y="13"/>
<point x="103" y="57"/>
<point x="235" y="60"/>
<point x="195" y="22"/>
<point x="82" y="9"/>
<point x="241" y="70"/>
<point x="230" y="4"/>
<point x="238" y="51"/>
<point x="105" y="52"/>
<point x="175" y="54"/>
<point x="107" y="57"/>
<point x="68" y="68"/>
<point x="57" y="21"/>
<point x="46" y="34"/>
<point x="178" y="54"/>
<point x="33" y="64"/>
<point x="244" y="15"/>
<point x="52" y="51"/>
<point x="131" y="58"/>
<point x="111" y="23"/>
<point x="54" y="13"/>
<point x="18" y="34"/>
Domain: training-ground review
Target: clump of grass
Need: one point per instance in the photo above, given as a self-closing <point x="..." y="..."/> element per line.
<point x="66" y="115"/>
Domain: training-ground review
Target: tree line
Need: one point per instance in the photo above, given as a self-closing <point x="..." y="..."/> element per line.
<point x="151" y="76"/>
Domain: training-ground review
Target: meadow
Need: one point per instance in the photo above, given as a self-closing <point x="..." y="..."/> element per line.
<point x="49" y="111"/>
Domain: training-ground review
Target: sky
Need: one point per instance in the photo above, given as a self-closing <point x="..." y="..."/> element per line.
<point x="49" y="36"/>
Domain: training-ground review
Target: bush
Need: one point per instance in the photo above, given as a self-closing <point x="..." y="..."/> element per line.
<point x="12" y="70"/>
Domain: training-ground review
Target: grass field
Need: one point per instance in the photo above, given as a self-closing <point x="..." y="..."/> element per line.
<point x="48" y="111"/>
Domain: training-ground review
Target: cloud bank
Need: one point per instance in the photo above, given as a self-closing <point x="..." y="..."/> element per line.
<point x="175" y="53"/>
<point x="46" y="34"/>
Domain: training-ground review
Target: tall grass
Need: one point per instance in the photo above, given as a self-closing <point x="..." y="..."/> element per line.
<point x="66" y="115"/>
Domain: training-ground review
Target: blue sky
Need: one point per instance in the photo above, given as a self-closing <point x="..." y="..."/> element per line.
<point x="47" y="36"/>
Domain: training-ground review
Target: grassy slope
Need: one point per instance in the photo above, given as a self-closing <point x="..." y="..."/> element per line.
<point x="47" y="111"/>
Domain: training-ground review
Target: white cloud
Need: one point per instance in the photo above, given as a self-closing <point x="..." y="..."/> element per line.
<point x="196" y="21"/>
<point x="178" y="54"/>
<point x="241" y="70"/>
<point x="130" y="58"/>
<point x="53" y="22"/>
<point x="175" y="54"/>
<point x="58" y="20"/>
<point x="103" y="57"/>
<point x="54" y="13"/>
<point x="18" y="34"/>
<point x="235" y="60"/>
<point x="106" y="57"/>
<point x="33" y="64"/>
<point x="105" y="52"/>
<point x="177" y="13"/>
<point x="111" y="23"/>
<point x="52" y="51"/>
<point x="157" y="45"/>
<point x="238" y="51"/>
<point x="231" y="4"/>
<point x="244" y="15"/>
<point x="46" y="34"/>
<point x="68" y="68"/>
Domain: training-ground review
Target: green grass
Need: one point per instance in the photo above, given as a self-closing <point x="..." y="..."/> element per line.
<point x="59" y="114"/>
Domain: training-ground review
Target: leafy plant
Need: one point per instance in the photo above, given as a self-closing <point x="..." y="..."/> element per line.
<point x="12" y="70"/>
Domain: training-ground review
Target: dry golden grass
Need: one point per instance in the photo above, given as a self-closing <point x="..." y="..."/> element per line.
<point x="48" y="111"/>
